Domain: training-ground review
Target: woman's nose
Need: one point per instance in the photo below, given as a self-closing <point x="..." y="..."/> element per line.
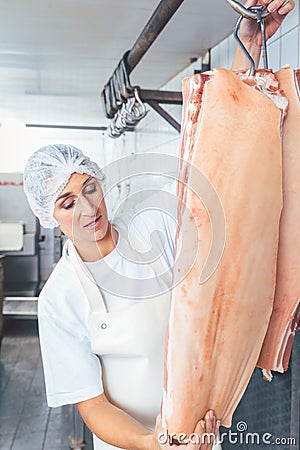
<point x="88" y="206"/>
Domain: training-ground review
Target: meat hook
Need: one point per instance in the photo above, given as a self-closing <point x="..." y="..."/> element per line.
<point x="246" y="12"/>
<point x="257" y="13"/>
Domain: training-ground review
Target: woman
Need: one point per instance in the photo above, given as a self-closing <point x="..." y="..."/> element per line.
<point x="118" y="399"/>
<point x="77" y="321"/>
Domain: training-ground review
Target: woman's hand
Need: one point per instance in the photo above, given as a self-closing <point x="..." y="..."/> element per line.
<point x="250" y="33"/>
<point x="201" y="439"/>
<point x="250" y="29"/>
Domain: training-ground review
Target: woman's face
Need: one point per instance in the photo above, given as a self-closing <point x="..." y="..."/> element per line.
<point x="80" y="209"/>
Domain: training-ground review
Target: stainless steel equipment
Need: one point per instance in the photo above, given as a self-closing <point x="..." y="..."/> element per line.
<point x="19" y="234"/>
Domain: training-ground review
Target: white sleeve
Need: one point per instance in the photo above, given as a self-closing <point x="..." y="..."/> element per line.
<point x="72" y="372"/>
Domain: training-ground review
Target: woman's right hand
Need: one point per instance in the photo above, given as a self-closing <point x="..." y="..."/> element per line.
<point x="279" y="9"/>
<point x="201" y="439"/>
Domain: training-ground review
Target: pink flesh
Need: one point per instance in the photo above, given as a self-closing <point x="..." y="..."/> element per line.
<point x="276" y="350"/>
<point x="216" y="329"/>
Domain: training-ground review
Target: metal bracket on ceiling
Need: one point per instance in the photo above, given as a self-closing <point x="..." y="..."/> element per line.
<point x="155" y="98"/>
<point x="122" y="102"/>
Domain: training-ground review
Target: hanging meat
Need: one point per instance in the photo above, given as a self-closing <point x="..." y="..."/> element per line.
<point x="222" y="302"/>
<point x="277" y="345"/>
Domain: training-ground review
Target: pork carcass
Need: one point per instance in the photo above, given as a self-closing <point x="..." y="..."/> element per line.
<point x="276" y="350"/>
<point x="230" y="137"/>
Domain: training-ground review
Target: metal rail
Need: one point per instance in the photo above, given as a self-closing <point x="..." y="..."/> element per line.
<point x="66" y="127"/>
<point x="166" y="97"/>
<point x="159" y="19"/>
<point x="118" y="90"/>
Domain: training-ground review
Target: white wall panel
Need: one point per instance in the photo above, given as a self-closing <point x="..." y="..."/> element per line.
<point x="289" y="47"/>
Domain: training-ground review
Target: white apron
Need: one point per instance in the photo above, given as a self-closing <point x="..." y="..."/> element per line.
<point x="130" y="343"/>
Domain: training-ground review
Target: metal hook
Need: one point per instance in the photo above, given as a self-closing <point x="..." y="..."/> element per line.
<point x="141" y="108"/>
<point x="247" y="12"/>
<point x="259" y="14"/>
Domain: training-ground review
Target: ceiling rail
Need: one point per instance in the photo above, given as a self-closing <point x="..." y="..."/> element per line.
<point x="159" y="19"/>
<point x="118" y="92"/>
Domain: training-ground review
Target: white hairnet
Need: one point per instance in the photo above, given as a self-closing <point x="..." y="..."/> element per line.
<point x="46" y="174"/>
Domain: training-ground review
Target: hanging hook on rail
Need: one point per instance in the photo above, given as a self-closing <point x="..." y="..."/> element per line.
<point x="126" y="119"/>
<point x="258" y="13"/>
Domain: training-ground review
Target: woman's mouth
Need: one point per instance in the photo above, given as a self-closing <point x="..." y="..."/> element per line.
<point x="94" y="224"/>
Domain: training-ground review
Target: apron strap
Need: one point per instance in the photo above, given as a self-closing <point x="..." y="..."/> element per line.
<point x="90" y="287"/>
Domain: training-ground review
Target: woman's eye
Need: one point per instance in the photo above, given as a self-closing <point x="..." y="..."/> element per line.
<point x="90" y="189"/>
<point x="68" y="205"/>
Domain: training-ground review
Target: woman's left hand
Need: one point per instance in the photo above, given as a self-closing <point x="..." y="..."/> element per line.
<point x="202" y="438"/>
<point x="250" y="29"/>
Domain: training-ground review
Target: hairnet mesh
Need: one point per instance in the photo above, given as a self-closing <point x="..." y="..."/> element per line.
<point x="46" y="174"/>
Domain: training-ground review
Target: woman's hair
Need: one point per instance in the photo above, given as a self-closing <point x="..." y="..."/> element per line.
<point x="46" y="174"/>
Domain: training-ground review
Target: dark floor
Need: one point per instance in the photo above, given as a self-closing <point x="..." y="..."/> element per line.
<point x="26" y="422"/>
